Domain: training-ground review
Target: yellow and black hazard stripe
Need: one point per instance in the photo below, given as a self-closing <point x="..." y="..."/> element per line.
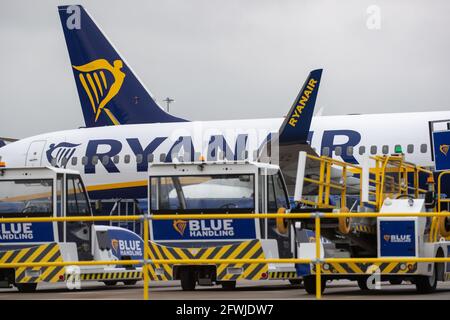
<point x="363" y="268"/>
<point x="364" y="228"/>
<point x="42" y="253"/>
<point x="243" y="250"/>
<point x="122" y="275"/>
<point x="283" y="275"/>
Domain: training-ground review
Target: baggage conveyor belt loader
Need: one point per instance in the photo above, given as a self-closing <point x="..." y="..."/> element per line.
<point x="386" y="184"/>
<point x="35" y="192"/>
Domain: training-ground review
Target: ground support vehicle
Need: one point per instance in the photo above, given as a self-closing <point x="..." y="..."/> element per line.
<point x="219" y="188"/>
<point x="35" y="192"/>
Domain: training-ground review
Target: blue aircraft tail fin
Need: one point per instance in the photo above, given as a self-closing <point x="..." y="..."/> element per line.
<point x="295" y="127"/>
<point x="109" y="91"/>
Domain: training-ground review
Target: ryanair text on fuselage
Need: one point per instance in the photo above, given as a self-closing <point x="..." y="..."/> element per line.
<point x="184" y="147"/>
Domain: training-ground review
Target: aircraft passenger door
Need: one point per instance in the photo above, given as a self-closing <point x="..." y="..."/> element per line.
<point x="34" y="154"/>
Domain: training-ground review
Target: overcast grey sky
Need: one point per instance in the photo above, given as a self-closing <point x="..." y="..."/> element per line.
<point x="232" y="59"/>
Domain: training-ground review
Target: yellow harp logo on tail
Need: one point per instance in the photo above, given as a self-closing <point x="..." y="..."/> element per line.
<point x="94" y="81"/>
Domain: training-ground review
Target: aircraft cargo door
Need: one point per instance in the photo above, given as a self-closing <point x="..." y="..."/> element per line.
<point x="34" y="154"/>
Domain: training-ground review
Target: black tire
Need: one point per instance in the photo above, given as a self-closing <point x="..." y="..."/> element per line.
<point x="228" y="285"/>
<point x="310" y="284"/>
<point x="188" y="281"/>
<point x="129" y="282"/>
<point x="426" y="284"/>
<point x="295" y="282"/>
<point x="362" y="284"/>
<point x="110" y="283"/>
<point x="396" y="281"/>
<point x="26" y="287"/>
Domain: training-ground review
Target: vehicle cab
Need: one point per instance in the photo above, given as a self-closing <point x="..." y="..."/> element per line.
<point x="218" y="188"/>
<point x="42" y="192"/>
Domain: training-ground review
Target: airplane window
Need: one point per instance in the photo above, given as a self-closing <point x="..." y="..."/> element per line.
<point x="410" y="148"/>
<point x="326" y="151"/>
<point x="385" y="149"/>
<point x="139" y="158"/>
<point x="105" y="160"/>
<point x="350" y="150"/>
<point x="127" y="158"/>
<point x="373" y="150"/>
<point x="64" y="162"/>
<point x="116" y="159"/>
<point x="84" y="161"/>
<point x="398" y="147"/>
<point x="94" y="160"/>
<point x="53" y="162"/>
<point x="423" y="148"/>
<point x="150" y="157"/>
<point x="162" y="157"/>
<point x="362" y="150"/>
<point x="74" y="161"/>
<point x="338" y="151"/>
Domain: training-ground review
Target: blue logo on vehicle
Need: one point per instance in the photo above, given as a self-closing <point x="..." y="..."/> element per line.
<point x="204" y="229"/>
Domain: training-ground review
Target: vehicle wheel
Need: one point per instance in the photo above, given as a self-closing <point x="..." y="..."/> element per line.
<point x="295" y="282"/>
<point x="228" y="285"/>
<point x="110" y="283"/>
<point x="26" y="287"/>
<point x="362" y="284"/>
<point x="425" y="284"/>
<point x="188" y="280"/>
<point x="395" y="281"/>
<point x="129" y="282"/>
<point x="310" y="284"/>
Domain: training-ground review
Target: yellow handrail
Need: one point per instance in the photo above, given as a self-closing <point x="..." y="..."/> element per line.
<point x="318" y="261"/>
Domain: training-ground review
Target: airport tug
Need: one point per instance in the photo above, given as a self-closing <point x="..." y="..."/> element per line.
<point x="385" y="184"/>
<point x="219" y="188"/>
<point x="53" y="192"/>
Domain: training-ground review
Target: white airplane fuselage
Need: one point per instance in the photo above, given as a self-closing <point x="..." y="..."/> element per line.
<point x="114" y="158"/>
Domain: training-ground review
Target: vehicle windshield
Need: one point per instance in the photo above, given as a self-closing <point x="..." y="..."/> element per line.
<point x="206" y="193"/>
<point x="26" y="197"/>
<point x="77" y="202"/>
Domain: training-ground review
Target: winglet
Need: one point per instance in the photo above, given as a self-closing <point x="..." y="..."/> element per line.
<point x="297" y="123"/>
